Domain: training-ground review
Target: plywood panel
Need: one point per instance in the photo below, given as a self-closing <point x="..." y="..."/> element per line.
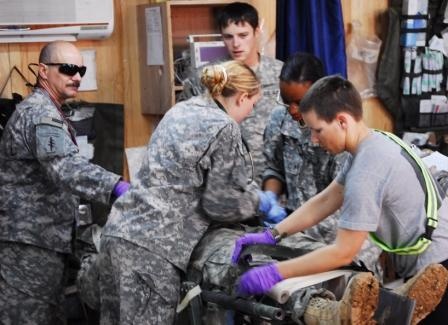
<point x="4" y="70"/>
<point x="267" y="15"/>
<point x="370" y="15"/>
<point x="376" y="116"/>
<point x="19" y="56"/>
<point x="156" y="81"/>
<point x="138" y="127"/>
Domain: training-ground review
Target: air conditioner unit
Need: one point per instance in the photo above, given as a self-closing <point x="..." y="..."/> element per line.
<point x="49" y="20"/>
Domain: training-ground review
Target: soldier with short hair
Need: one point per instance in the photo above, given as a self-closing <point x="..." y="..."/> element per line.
<point x="240" y="29"/>
<point x="384" y="192"/>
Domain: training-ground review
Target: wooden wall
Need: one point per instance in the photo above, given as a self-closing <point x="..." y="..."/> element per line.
<point x="117" y="63"/>
<point x="371" y="15"/>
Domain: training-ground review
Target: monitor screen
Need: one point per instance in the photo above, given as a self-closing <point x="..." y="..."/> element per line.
<point x="212" y="53"/>
<point x="205" y="52"/>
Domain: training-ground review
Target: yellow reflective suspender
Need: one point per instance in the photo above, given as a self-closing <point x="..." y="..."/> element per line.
<point x="431" y="206"/>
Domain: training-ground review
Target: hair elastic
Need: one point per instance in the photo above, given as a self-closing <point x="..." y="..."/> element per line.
<point x="224" y="72"/>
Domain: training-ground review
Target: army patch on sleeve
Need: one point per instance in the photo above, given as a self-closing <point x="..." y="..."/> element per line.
<point x="50" y="139"/>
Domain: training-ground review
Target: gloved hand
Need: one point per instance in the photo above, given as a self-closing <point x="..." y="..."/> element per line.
<point x="264" y="237"/>
<point x="259" y="280"/>
<point x="266" y="200"/>
<point x="120" y="188"/>
<point x="274" y="213"/>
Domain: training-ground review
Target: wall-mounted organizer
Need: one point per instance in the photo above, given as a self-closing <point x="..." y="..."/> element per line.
<point x="423" y="87"/>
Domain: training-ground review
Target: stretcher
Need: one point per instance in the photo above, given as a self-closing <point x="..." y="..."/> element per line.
<point x="211" y="302"/>
<point x="203" y="303"/>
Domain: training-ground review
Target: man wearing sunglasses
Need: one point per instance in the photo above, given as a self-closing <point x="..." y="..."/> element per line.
<point x="42" y="177"/>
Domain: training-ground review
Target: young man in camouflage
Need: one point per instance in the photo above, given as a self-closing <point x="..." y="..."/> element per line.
<point x="42" y="176"/>
<point x="240" y="30"/>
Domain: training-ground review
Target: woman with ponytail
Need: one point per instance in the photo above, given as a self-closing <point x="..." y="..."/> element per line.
<point x="194" y="174"/>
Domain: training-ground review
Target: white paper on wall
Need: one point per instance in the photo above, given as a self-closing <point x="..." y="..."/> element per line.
<point x="154" y="37"/>
<point x="88" y="82"/>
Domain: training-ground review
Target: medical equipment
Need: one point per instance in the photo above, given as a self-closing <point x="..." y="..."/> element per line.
<point x="205" y="48"/>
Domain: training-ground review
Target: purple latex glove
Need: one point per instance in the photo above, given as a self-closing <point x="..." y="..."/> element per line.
<point x="120" y="188"/>
<point x="264" y="237"/>
<point x="259" y="280"/>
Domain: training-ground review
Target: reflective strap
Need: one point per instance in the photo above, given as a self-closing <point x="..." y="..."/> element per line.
<point x="431" y="202"/>
<point x="418" y="248"/>
<point x="431" y="206"/>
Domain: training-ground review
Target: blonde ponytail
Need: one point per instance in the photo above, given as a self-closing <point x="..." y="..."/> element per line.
<point x="229" y="77"/>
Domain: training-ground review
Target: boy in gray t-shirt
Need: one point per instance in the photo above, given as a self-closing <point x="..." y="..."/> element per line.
<point x="378" y="192"/>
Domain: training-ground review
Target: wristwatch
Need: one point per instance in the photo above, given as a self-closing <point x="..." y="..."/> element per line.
<point x="277" y="235"/>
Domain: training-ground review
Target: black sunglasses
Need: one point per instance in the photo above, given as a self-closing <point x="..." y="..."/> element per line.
<point x="69" y="69"/>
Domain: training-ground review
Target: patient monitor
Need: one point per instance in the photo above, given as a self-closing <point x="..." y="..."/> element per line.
<point x="205" y="48"/>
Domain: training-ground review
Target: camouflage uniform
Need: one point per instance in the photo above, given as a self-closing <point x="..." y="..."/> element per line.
<point x="302" y="167"/>
<point x="193" y="174"/>
<point x="211" y="262"/>
<point x="252" y="128"/>
<point x="148" y="284"/>
<point x="305" y="169"/>
<point x="87" y="280"/>
<point x="26" y="296"/>
<point x="42" y="176"/>
<point x="212" y="255"/>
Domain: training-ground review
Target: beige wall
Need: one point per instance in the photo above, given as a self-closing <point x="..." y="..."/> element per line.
<point x="117" y="63"/>
<point x="371" y="16"/>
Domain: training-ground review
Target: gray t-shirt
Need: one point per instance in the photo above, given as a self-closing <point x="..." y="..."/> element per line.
<point x="383" y="195"/>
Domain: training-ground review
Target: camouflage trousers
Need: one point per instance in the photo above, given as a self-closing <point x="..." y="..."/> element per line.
<point x="213" y="253"/>
<point x="136" y="286"/>
<point x="31" y="285"/>
<point x="211" y="258"/>
<point x="87" y="281"/>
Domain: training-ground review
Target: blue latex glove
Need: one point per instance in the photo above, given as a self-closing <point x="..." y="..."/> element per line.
<point x="264" y="237"/>
<point x="120" y="188"/>
<point x="259" y="280"/>
<point x="266" y="200"/>
<point x="274" y="213"/>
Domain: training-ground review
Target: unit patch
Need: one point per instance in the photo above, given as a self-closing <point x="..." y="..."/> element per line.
<point x="50" y="134"/>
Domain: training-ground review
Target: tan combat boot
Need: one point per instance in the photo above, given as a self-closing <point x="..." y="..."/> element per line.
<point x="357" y="305"/>
<point x="426" y="288"/>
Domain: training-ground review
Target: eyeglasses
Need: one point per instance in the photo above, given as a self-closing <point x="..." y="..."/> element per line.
<point x="279" y="101"/>
<point x="69" y="69"/>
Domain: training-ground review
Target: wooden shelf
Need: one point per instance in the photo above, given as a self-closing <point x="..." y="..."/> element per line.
<point x="179" y="19"/>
